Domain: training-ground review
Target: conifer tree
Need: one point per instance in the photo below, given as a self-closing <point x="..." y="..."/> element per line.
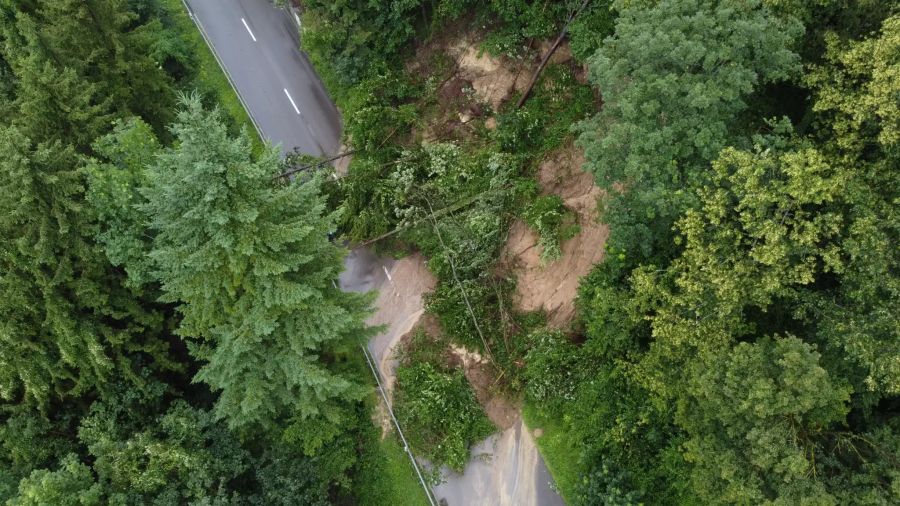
<point x="94" y="44"/>
<point x="250" y="263"/>
<point x="67" y="321"/>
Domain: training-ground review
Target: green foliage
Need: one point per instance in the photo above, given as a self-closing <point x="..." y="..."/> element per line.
<point x="691" y="399"/>
<point x="183" y="457"/>
<point x="857" y="89"/>
<point x="377" y="108"/>
<point x="252" y="267"/>
<point x="72" y="484"/>
<point x="448" y="304"/>
<point x="544" y="122"/>
<point x="68" y="321"/>
<point x="285" y="479"/>
<point x="673" y="78"/>
<point x="553" y="223"/>
<point x="610" y="487"/>
<point x="587" y="31"/>
<point x="771" y="227"/>
<point x="113" y="194"/>
<point x="350" y="39"/>
<point x="440" y="414"/>
<point x="94" y="42"/>
<point x="96" y="407"/>
<point x="754" y="414"/>
<point x="552" y="369"/>
<point x="387" y="478"/>
<point x="511" y="23"/>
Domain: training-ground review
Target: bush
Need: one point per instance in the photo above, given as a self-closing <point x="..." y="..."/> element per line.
<point x="448" y="304"/>
<point x="588" y="30"/>
<point x="544" y="121"/>
<point x="553" y="222"/>
<point x="442" y="417"/>
<point x="609" y="486"/>
<point x="551" y="369"/>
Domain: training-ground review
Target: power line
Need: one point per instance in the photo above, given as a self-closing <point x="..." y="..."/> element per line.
<point x="406" y="448"/>
<point x="462" y="289"/>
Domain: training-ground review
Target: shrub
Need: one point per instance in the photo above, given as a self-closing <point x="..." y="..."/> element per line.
<point x="544" y="121"/>
<point x="448" y="304"/>
<point x="439" y="410"/>
<point x="551" y="370"/>
<point x="553" y="222"/>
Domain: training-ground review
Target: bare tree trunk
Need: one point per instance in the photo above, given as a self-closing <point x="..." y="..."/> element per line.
<point x="314" y="165"/>
<point x="553" y="48"/>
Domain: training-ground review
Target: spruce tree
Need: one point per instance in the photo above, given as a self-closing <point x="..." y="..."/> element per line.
<point x="250" y="263"/>
<point x="67" y="321"/>
<point x="97" y="42"/>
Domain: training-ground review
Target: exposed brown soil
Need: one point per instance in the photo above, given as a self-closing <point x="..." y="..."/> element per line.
<point x="563" y="53"/>
<point x="553" y="287"/>
<point x="503" y="412"/>
<point x="493" y="79"/>
<point x="342" y="164"/>
<point x="483" y="378"/>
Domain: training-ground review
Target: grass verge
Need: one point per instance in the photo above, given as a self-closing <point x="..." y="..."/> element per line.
<point x="389" y="478"/>
<point x="557" y="451"/>
<point x="210" y="78"/>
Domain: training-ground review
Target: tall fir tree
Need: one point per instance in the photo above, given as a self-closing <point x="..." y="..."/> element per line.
<point x="94" y="42"/>
<point x="251" y="265"/>
<point x="67" y="319"/>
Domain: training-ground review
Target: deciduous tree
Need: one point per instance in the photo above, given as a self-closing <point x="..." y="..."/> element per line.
<point x="673" y="77"/>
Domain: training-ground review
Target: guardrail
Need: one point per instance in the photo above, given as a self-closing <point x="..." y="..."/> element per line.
<point x="387" y="404"/>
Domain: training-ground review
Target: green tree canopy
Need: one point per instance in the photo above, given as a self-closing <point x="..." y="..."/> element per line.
<point x="67" y="321"/>
<point x="71" y="485"/>
<point x="674" y="76"/>
<point x="251" y="266"/>
<point x="102" y="57"/>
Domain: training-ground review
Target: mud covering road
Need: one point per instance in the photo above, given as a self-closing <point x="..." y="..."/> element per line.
<point x="507" y="469"/>
<point x="258" y="46"/>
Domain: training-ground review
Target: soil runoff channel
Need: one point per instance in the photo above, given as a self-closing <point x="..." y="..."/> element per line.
<point x="251" y="38"/>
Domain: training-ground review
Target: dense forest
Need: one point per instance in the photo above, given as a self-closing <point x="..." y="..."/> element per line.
<point x="170" y="329"/>
<point x="740" y="343"/>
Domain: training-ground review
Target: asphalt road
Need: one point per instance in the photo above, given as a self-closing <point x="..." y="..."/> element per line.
<point x="259" y="46"/>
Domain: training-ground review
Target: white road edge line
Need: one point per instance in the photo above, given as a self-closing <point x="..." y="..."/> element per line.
<point x="292" y="100"/>
<point x="248" y="29"/>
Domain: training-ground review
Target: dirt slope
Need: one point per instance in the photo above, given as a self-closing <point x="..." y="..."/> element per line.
<point x="553" y="287"/>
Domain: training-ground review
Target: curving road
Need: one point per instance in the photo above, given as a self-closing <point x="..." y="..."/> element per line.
<point x="258" y="45"/>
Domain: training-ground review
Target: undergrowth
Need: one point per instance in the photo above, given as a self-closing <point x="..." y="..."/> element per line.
<point x="423" y="179"/>
<point x="436" y="404"/>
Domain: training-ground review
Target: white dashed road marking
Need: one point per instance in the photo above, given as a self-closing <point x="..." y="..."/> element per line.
<point x="248" y="29"/>
<point x="292" y="100"/>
